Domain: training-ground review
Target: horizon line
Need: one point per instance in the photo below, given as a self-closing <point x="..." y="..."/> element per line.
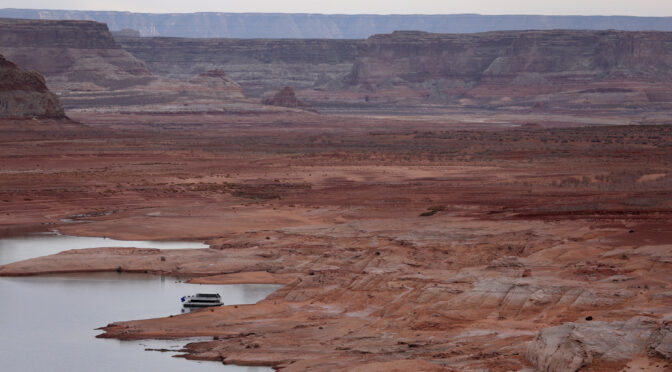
<point x="350" y="14"/>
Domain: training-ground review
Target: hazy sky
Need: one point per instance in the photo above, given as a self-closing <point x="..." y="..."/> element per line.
<point x="573" y="7"/>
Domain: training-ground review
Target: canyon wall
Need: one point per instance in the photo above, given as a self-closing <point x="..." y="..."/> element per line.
<point x="512" y="69"/>
<point x="333" y="26"/>
<point x="521" y="67"/>
<point x="87" y="68"/>
<point x="258" y="65"/>
<point x="71" y="54"/>
<point x="519" y="70"/>
<point x="514" y="57"/>
<point x="25" y="94"/>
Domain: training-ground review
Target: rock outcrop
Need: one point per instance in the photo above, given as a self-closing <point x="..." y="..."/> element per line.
<point x="286" y="97"/>
<point x="25" y="94"/>
<point x="660" y="343"/>
<point x="571" y="346"/>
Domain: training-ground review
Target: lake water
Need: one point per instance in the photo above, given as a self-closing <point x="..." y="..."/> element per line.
<point x="25" y="247"/>
<point x="48" y="322"/>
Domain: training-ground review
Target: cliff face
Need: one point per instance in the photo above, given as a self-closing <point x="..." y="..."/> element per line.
<point x="529" y="69"/>
<point x="258" y="65"/>
<point x="526" y="57"/>
<point x="73" y="55"/>
<point x="333" y="26"/>
<point x="515" y="65"/>
<point x="85" y="65"/>
<point x="515" y="69"/>
<point x="25" y="94"/>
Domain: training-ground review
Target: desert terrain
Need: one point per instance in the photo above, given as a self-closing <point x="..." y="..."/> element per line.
<point x="429" y="202"/>
<point x="408" y="244"/>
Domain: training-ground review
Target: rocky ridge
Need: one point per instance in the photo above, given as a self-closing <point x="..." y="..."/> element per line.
<point x="25" y="94"/>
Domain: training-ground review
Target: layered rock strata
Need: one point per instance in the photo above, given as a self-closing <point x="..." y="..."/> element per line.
<point x="88" y="69"/>
<point x="72" y="55"/>
<point x="531" y="70"/>
<point x="519" y="57"/>
<point x="519" y="67"/>
<point x="513" y="70"/>
<point x="258" y="65"/>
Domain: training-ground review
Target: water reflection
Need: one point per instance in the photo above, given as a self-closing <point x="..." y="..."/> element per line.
<point x="48" y="322"/>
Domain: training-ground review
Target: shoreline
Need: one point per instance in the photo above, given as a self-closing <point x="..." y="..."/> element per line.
<point x="425" y="242"/>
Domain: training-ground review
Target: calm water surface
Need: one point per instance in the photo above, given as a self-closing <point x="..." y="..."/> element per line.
<point x="23" y="248"/>
<point x="48" y="322"/>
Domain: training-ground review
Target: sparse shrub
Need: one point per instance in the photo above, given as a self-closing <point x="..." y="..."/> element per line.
<point x="433" y="210"/>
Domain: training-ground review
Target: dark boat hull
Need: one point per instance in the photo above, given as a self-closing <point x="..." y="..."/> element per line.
<point x="202" y="300"/>
<point x="188" y="304"/>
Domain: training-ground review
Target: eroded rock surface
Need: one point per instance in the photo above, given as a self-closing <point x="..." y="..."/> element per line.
<point x="533" y="227"/>
<point x="25" y="94"/>
<point x="660" y="342"/>
<point x="571" y="346"/>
